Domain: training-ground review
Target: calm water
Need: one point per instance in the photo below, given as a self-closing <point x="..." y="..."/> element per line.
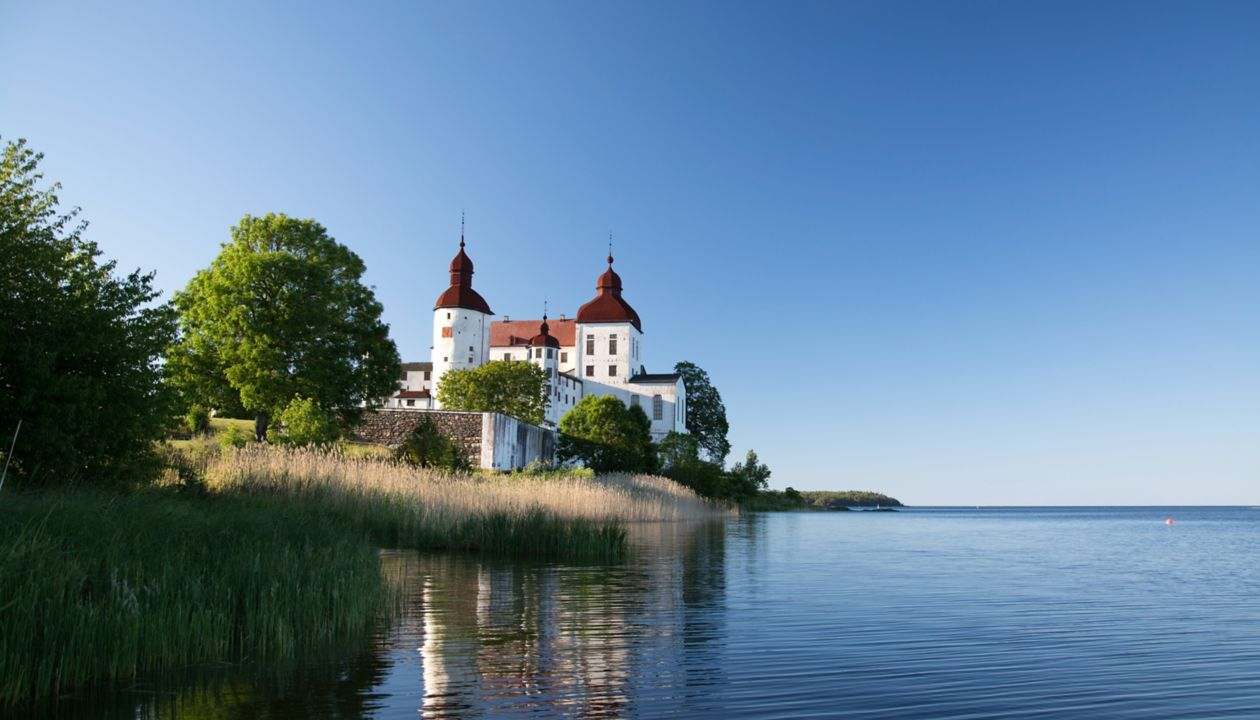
<point x="926" y="613"/>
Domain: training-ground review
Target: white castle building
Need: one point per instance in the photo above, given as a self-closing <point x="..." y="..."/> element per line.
<point x="596" y="353"/>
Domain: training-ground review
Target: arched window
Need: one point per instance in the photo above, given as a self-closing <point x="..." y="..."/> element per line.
<point x="658" y="407"/>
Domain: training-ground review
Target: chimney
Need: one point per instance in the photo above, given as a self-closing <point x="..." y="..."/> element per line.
<point x="506" y="318"/>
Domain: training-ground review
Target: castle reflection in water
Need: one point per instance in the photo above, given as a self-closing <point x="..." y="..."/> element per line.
<point x="495" y="638"/>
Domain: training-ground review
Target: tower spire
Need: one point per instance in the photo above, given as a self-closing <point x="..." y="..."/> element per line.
<point x="610" y="258"/>
<point x="461" y="228"/>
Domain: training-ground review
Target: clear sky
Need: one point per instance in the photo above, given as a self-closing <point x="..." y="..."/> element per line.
<point x="961" y="253"/>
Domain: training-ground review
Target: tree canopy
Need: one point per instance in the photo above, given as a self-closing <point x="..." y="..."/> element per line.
<point x="607" y="436"/>
<point x="80" y="347"/>
<point x="706" y="415"/>
<point x="512" y="388"/>
<point x="282" y="312"/>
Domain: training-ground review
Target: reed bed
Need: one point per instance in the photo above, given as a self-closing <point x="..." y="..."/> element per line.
<point x="274" y="556"/>
<point x="402" y="506"/>
<point x="101" y="587"/>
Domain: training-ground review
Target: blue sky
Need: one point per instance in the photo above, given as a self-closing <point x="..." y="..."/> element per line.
<point x="962" y="253"/>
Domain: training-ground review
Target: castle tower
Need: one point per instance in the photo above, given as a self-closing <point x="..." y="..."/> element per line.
<point x="461" y="323"/>
<point x="544" y="351"/>
<point x="609" y="334"/>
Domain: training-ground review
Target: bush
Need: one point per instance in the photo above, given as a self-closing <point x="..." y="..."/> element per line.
<point x="304" y="423"/>
<point x="427" y="447"/>
<point x="198" y="419"/>
<point x="234" y="437"/>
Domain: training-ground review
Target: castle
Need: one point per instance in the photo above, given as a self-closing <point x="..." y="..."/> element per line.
<point x="595" y="353"/>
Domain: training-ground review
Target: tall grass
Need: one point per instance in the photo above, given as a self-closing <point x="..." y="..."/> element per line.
<point x="274" y="555"/>
<point x="107" y="587"/>
<point x="403" y="506"/>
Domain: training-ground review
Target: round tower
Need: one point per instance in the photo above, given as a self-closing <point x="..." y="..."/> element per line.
<point x="461" y="323"/>
<point x="544" y="351"/>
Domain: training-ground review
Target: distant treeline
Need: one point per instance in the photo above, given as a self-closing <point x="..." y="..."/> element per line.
<point x="849" y="498"/>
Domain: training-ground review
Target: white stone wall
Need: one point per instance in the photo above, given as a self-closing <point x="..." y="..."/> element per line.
<point x="608" y="368"/>
<point x="466" y="345"/>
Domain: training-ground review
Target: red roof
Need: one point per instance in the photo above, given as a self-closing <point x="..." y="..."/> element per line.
<point x="506" y="333"/>
<point x="413" y="394"/>
<point x="608" y="305"/>
<point x="461" y="294"/>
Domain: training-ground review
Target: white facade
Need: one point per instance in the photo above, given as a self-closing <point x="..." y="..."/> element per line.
<point x="461" y="339"/>
<point x="607" y="353"/>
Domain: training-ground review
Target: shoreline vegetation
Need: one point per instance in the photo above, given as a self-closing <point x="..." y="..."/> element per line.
<point x="266" y="553"/>
<point x="820" y="500"/>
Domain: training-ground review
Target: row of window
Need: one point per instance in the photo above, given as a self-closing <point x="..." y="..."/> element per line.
<point x="612" y="345"/>
<point x="590" y="371"/>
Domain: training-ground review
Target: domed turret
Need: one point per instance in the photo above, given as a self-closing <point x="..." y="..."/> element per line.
<point x="461" y="294"/>
<point x="544" y="337"/>
<point x="608" y="305"/>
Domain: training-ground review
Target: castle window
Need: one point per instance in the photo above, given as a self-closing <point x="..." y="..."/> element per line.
<point x="564" y="357"/>
<point x="411" y="403"/>
<point x="590" y="344"/>
<point x="612" y="345"/>
<point x="658" y="407"/>
<point x="537" y="352"/>
<point x="448" y="316"/>
<point x="507" y="357"/>
<point x="590" y="371"/>
<point x="612" y="371"/>
<point x="470" y="359"/>
<point x="426" y="374"/>
<point x="634" y="401"/>
<point x="470" y="348"/>
<point x="549" y="354"/>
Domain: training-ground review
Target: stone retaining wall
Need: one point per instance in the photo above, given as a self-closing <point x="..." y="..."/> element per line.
<point x="491" y="441"/>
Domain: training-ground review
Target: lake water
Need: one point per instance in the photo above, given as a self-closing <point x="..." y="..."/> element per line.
<point x="924" y="613"/>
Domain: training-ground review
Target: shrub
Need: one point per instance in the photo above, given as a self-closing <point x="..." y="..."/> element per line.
<point x="304" y="423"/>
<point x="233" y="437"/>
<point x="198" y="419"/>
<point x="427" y="447"/>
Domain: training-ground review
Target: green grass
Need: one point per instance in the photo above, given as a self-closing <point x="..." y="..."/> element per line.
<point x="106" y="587"/>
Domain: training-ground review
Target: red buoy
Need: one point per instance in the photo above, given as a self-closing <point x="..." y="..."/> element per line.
<point x="1169" y="521"/>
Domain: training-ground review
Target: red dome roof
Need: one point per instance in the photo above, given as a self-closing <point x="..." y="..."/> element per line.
<point x="608" y="305"/>
<point x="461" y="294"/>
<point x="544" y="338"/>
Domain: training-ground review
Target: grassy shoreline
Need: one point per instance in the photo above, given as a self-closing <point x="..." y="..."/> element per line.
<point x="269" y="554"/>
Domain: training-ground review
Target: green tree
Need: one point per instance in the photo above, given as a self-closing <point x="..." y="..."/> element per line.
<point x="607" y="436"/>
<point x="79" y="346"/>
<point x="706" y="415"/>
<point x="282" y="312"/>
<point x="303" y="423"/>
<point x="749" y="477"/>
<point x="426" y="446"/>
<point x="512" y="388"/>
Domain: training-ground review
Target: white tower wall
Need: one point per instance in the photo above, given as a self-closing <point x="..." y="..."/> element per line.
<point x="461" y="340"/>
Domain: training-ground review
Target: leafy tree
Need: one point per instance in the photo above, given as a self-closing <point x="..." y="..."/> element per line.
<point x="677" y="449"/>
<point x="706" y="415"/>
<point x="426" y="446"/>
<point x="607" y="436"/>
<point x="303" y="423"/>
<point x="749" y="477"/>
<point x="282" y="312"/>
<point x="512" y="388"/>
<point x="79" y="346"/>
